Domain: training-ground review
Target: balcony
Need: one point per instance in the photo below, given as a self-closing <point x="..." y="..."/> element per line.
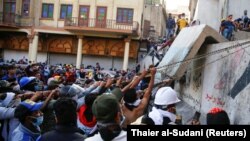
<point x="95" y="25"/>
<point x="13" y="20"/>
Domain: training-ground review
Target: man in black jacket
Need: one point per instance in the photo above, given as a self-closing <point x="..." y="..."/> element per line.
<point x="66" y="119"/>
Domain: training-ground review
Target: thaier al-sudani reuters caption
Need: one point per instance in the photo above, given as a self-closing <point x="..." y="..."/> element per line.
<point x="190" y="133"/>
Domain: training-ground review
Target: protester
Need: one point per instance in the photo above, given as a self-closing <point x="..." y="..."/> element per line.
<point x="86" y="121"/>
<point x="108" y="119"/>
<point x="8" y="103"/>
<point x="182" y="22"/>
<point x="134" y="106"/>
<point x="30" y="117"/>
<point x="164" y="112"/>
<point x="170" y="26"/>
<point x="227" y="27"/>
<point x="217" y="116"/>
<point x="66" y="122"/>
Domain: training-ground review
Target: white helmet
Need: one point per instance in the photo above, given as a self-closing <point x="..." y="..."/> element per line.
<point x="166" y="96"/>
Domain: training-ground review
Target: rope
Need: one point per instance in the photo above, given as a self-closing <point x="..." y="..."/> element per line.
<point x="163" y="69"/>
<point x="223" y="57"/>
<point x="203" y="56"/>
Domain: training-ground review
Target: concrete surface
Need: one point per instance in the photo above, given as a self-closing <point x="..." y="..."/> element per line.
<point x="222" y="82"/>
<point x="186" y="46"/>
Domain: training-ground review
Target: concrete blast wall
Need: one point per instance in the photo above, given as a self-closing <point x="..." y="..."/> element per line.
<point x="220" y="80"/>
<point x="186" y="46"/>
<point x="215" y="75"/>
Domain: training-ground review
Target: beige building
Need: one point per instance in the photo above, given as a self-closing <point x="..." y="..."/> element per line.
<point x="154" y="16"/>
<point x="72" y="31"/>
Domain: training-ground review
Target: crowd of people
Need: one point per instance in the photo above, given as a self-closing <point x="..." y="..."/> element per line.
<point x="42" y="103"/>
<point x="228" y="25"/>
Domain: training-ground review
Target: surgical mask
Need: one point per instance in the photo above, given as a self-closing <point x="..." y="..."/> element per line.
<point x="37" y="121"/>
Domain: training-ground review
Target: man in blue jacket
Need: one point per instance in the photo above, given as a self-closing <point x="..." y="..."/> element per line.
<point x="30" y="117"/>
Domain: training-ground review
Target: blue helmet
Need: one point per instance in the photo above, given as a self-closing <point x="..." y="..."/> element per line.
<point x="25" y="80"/>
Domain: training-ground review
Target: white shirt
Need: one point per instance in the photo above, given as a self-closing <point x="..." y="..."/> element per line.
<point x="97" y="137"/>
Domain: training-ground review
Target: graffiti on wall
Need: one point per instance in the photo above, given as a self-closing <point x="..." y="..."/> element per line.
<point x="228" y="74"/>
<point x="241" y="83"/>
<point x="215" y="100"/>
<point x="191" y="99"/>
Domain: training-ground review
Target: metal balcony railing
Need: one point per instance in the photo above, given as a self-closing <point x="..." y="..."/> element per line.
<point x="106" y="24"/>
<point x="12" y="19"/>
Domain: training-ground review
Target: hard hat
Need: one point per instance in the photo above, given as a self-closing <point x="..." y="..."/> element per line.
<point x="166" y="96"/>
<point x="25" y="80"/>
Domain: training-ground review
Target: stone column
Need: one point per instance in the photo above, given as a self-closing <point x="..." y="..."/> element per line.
<point x="30" y="38"/>
<point x="126" y="54"/>
<point x="34" y="49"/>
<point x="79" y="53"/>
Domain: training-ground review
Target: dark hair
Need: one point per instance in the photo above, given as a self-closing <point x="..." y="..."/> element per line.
<point x="130" y="96"/>
<point x="21" y="113"/>
<point x="89" y="100"/>
<point x="219" y="118"/>
<point x="65" y="110"/>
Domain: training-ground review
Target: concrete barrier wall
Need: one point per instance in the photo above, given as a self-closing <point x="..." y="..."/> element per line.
<point x="220" y="80"/>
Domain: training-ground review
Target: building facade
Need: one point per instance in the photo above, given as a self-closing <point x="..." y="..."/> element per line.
<point x="154" y="19"/>
<point x="72" y="31"/>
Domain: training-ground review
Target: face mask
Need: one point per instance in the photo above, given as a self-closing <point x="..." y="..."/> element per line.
<point x="37" y="121"/>
<point x="136" y="103"/>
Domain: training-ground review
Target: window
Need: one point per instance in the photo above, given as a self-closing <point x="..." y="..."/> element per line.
<point x="125" y="15"/>
<point x="66" y="11"/>
<point x="84" y="12"/>
<point x="26" y="8"/>
<point x="47" y="10"/>
<point x="101" y="13"/>
<point x="153" y="2"/>
<point x="9" y="6"/>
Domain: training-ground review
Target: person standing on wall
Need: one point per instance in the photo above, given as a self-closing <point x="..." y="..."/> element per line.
<point x="182" y="22"/>
<point x="170" y="25"/>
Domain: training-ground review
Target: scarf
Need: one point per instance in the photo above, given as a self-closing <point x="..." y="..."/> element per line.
<point x="157" y="116"/>
<point x="83" y="119"/>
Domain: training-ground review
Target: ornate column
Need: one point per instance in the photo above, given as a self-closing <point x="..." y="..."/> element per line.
<point x="79" y="52"/>
<point x="126" y="54"/>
